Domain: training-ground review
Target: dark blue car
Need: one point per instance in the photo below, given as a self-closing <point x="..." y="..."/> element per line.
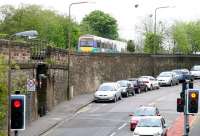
<point x="183" y="74"/>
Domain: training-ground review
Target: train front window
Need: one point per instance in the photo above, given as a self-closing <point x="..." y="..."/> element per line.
<point x="86" y="43"/>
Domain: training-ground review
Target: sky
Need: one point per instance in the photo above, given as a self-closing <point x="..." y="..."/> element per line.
<point x="124" y="11"/>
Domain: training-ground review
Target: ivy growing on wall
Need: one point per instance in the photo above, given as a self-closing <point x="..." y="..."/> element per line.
<point x="3" y="96"/>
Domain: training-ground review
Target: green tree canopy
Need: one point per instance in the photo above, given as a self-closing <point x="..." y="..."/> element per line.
<point x="187" y="37"/>
<point x="152" y="43"/>
<point x="50" y="25"/>
<point x="100" y="24"/>
<point x="131" y="46"/>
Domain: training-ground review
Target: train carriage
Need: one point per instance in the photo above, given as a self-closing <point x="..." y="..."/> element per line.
<point x="95" y="44"/>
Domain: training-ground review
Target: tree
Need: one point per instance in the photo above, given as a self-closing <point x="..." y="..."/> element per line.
<point x="50" y="25"/>
<point x="186" y="37"/>
<point x="152" y="43"/>
<point x="131" y="46"/>
<point x="100" y="24"/>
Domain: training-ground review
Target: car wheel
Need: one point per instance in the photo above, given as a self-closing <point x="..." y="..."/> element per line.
<point x="115" y="99"/>
<point x="146" y="89"/>
<point x="171" y="84"/>
<point x="133" y="93"/>
<point x="120" y="97"/>
<point x="151" y="88"/>
<point x="126" y="94"/>
<point x="132" y="129"/>
<point x="139" y="91"/>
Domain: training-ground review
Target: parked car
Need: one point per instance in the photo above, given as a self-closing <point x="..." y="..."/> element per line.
<point x="108" y="92"/>
<point x="195" y="71"/>
<point x="126" y="88"/>
<point x="151" y="126"/>
<point x="183" y="74"/>
<point x="150" y="81"/>
<point x="141" y="112"/>
<point x="139" y="86"/>
<point x="167" y="78"/>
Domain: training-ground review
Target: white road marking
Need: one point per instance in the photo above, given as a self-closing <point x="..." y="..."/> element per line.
<point x="114" y="133"/>
<point x="122" y="126"/>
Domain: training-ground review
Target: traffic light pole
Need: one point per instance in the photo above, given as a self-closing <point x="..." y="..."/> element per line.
<point x="186" y="117"/>
<point x="188" y="84"/>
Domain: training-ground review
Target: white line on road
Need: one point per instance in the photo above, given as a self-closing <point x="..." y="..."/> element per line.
<point x="122" y="126"/>
<point x="114" y="133"/>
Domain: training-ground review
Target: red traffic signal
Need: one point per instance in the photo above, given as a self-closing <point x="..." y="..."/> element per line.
<point x="18" y="112"/>
<point x="180" y="105"/>
<point x="17" y="103"/>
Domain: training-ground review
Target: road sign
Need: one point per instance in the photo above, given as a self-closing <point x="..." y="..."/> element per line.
<point x="31" y="85"/>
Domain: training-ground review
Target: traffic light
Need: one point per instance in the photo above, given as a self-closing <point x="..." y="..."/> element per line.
<point x="18" y="112"/>
<point x="180" y="105"/>
<point x="192" y="101"/>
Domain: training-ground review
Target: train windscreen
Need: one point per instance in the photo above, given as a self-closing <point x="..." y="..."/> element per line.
<point x="86" y="42"/>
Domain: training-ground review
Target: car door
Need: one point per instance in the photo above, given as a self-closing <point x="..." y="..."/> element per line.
<point x="154" y="82"/>
<point x="141" y="85"/>
<point x="174" y="78"/>
<point x="117" y="90"/>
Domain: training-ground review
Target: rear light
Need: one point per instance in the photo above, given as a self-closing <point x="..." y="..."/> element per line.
<point x="146" y="81"/>
<point x="134" y="121"/>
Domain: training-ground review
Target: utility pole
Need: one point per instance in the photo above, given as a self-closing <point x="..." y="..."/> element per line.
<point x="69" y="45"/>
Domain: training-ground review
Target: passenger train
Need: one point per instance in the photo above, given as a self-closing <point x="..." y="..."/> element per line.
<point x="95" y="44"/>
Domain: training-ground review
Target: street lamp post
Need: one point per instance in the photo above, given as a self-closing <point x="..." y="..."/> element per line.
<point x="155" y="25"/>
<point x="69" y="45"/>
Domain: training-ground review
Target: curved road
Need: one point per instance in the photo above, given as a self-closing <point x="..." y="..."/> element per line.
<point x="112" y="119"/>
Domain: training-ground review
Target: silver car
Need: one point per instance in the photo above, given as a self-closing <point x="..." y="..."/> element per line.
<point x="167" y="78"/>
<point x="195" y="71"/>
<point x="151" y="126"/>
<point x="108" y="92"/>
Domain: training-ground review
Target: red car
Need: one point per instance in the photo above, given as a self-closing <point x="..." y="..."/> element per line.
<point x="141" y="112"/>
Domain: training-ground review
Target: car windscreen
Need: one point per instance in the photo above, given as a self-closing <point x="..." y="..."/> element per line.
<point x="149" y="122"/>
<point x="105" y="88"/>
<point x="196" y="68"/>
<point x="145" y="112"/>
<point x="178" y="72"/>
<point x="123" y="83"/>
<point x="165" y="74"/>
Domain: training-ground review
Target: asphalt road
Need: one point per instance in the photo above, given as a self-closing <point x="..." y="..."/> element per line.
<point x="112" y="119"/>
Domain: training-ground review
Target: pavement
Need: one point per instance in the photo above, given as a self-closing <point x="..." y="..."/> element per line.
<point x="177" y="129"/>
<point x="64" y="111"/>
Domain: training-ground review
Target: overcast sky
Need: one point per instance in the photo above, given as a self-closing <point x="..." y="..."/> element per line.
<point x="123" y="10"/>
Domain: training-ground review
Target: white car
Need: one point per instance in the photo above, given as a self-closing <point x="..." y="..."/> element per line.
<point x="151" y="126"/>
<point x="150" y="81"/>
<point x="195" y="71"/>
<point x="108" y="92"/>
<point x="168" y="78"/>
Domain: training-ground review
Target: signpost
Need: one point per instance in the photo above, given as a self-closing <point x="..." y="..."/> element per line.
<point x="31" y="85"/>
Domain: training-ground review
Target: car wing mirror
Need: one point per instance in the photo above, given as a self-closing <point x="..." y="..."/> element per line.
<point x="130" y="114"/>
<point x="165" y="126"/>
